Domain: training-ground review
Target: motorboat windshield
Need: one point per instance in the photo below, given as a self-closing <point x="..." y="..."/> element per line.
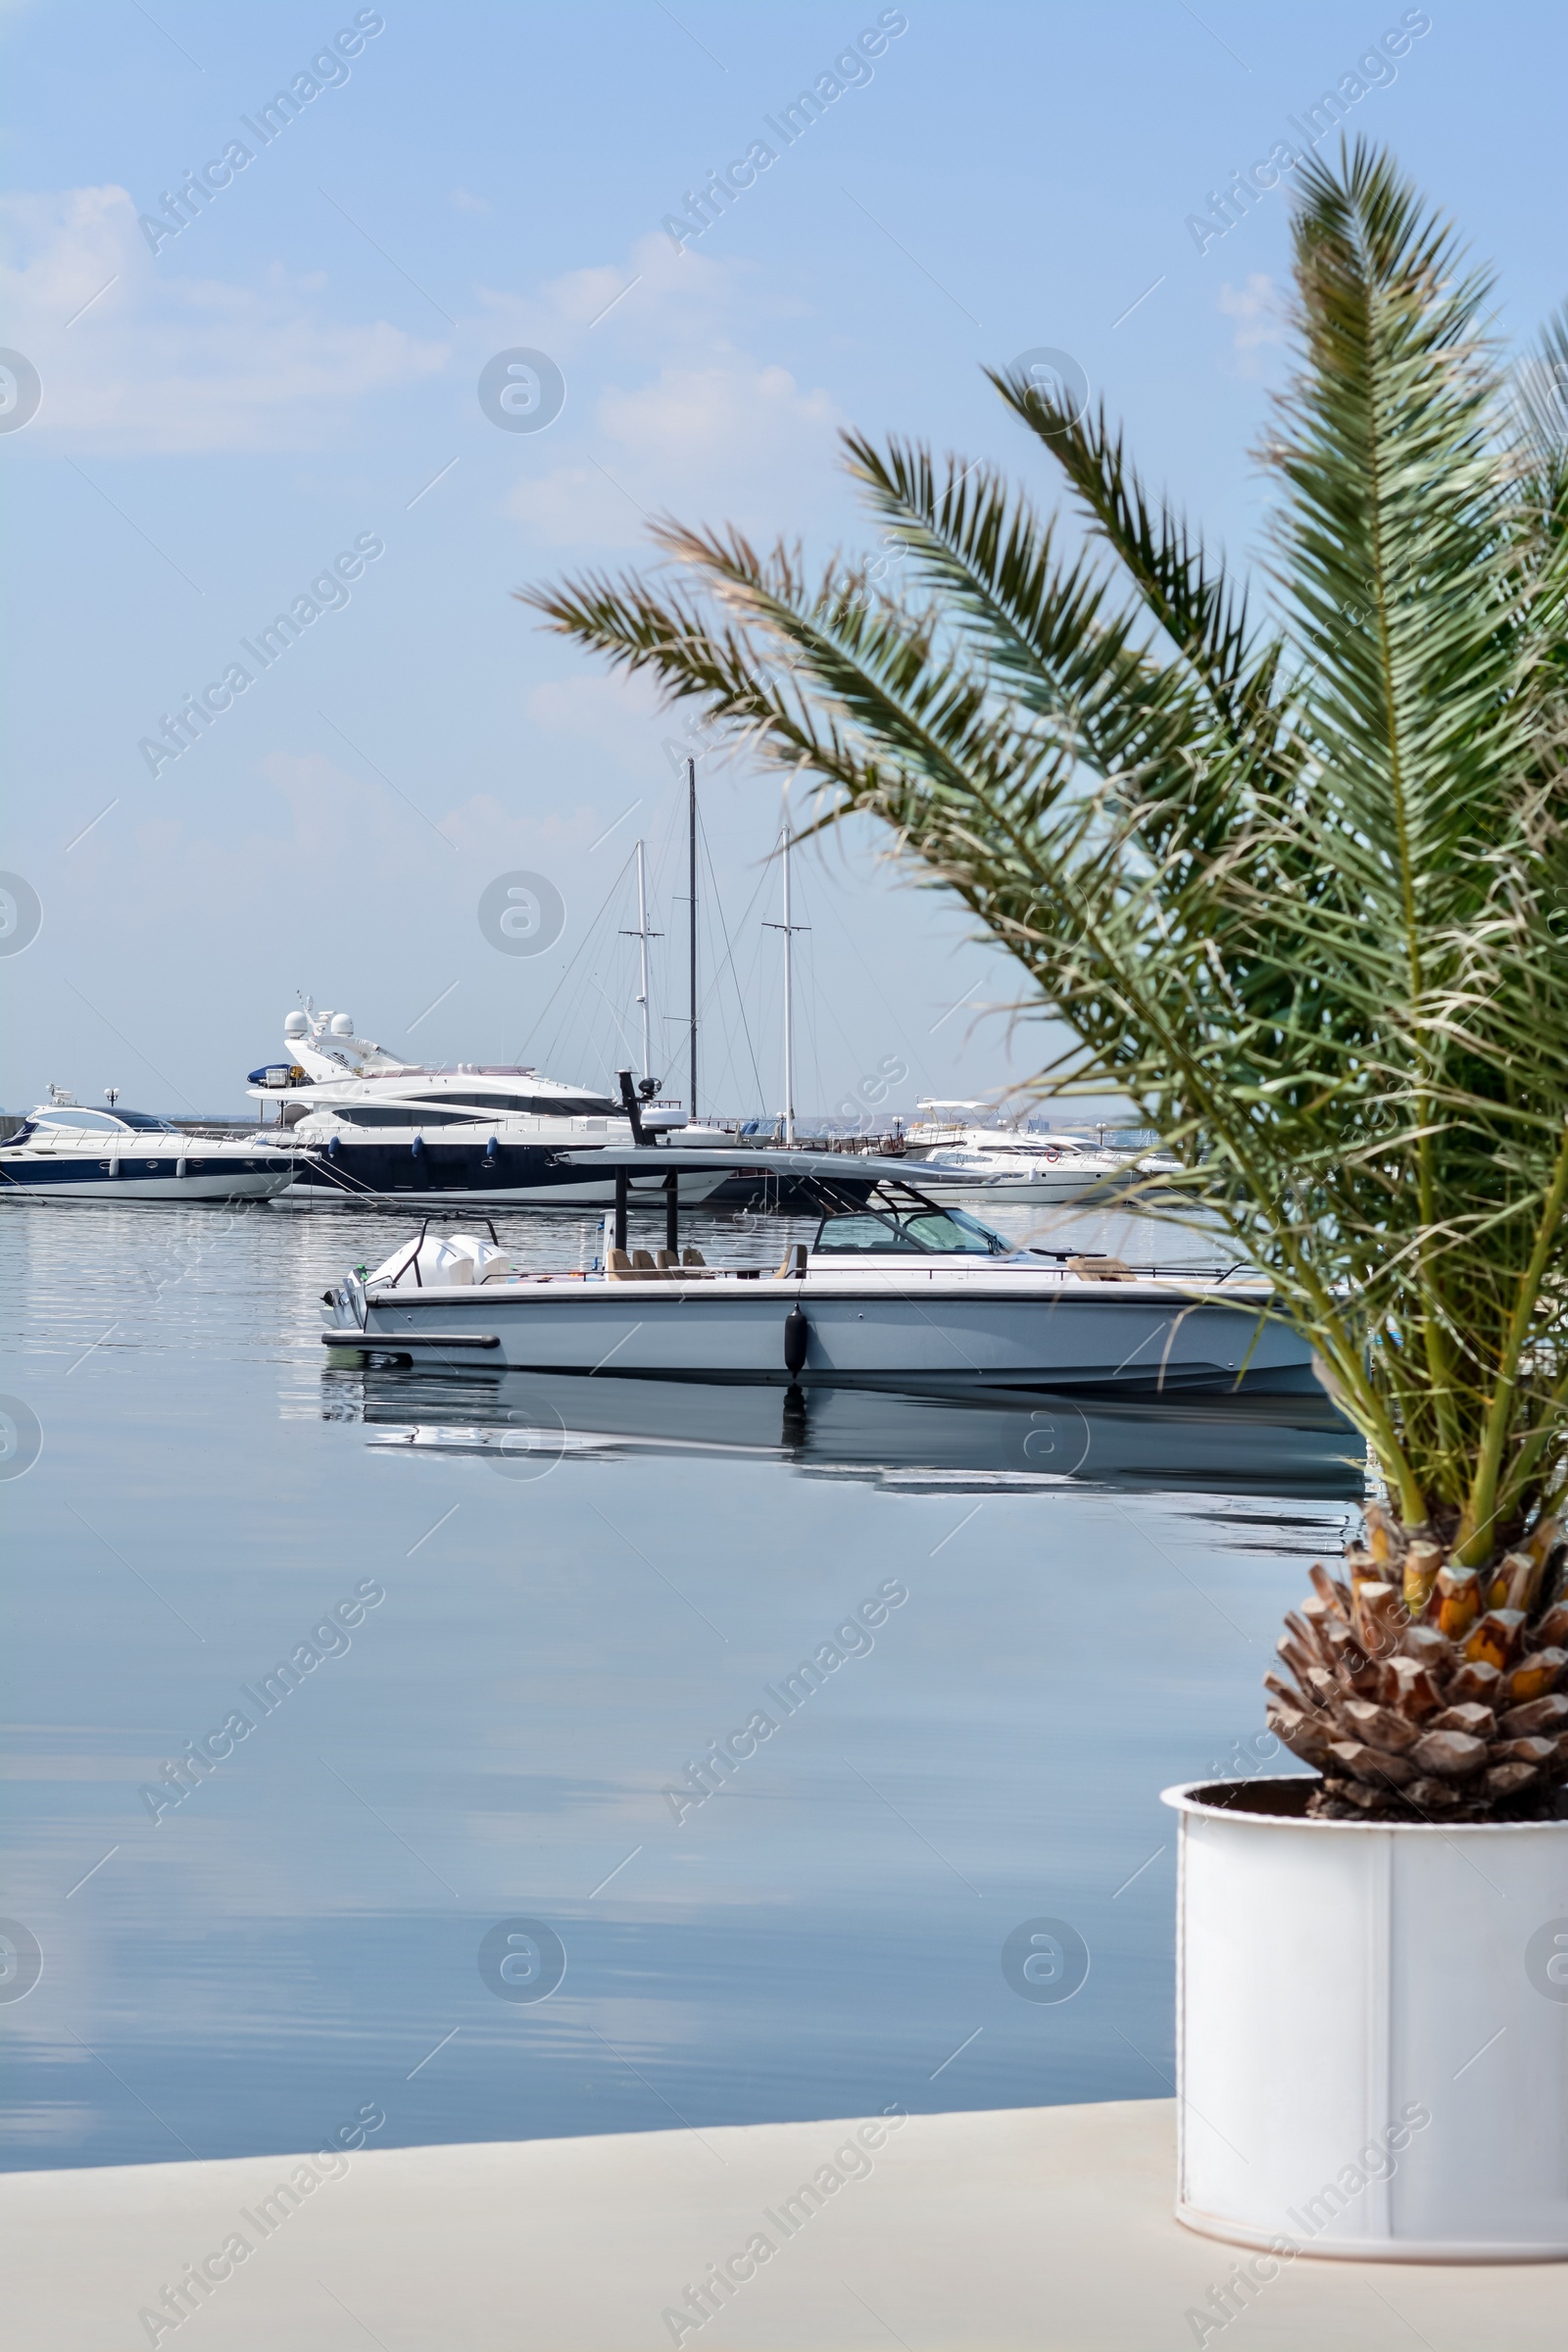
<point x="925" y="1232"/>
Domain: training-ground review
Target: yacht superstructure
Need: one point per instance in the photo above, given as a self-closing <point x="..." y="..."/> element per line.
<point x="501" y="1135"/>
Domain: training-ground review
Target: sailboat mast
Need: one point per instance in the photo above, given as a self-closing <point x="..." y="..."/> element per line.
<point x="642" y="947"/>
<point x="691" y="904"/>
<point x="789" y="991"/>
<point x="789" y="927"/>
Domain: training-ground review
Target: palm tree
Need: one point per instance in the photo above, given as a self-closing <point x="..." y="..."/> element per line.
<point x="1296" y="887"/>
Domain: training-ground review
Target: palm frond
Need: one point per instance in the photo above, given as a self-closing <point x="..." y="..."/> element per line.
<point x="1296" y="890"/>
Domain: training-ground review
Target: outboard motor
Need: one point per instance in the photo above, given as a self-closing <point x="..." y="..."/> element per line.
<point x="490" y="1264"/>
<point x="425" y="1260"/>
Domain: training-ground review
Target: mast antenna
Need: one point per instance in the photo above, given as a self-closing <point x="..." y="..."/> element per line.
<point x="643" y="935"/>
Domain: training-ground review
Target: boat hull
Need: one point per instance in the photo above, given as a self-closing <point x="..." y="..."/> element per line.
<point x="528" y="1176"/>
<point x="950" y="1334"/>
<point x="1049" y="1191"/>
<point x="88" y="1181"/>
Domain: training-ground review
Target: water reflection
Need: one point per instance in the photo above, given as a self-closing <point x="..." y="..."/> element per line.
<point x="1279" y="1446"/>
<point x="587" y="1585"/>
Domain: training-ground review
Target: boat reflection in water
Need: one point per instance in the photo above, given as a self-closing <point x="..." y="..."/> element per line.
<point x="524" y="1425"/>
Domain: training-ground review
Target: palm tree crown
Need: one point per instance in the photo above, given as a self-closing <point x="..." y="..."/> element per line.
<point x="1295" y="886"/>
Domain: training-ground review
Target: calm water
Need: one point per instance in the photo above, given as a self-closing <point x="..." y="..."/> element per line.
<point x="567" y="1623"/>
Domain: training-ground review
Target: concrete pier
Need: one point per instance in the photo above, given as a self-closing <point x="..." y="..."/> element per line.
<point x="1047" y="2229"/>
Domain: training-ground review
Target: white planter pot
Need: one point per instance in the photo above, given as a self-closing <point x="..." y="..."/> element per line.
<point x="1337" y="1982"/>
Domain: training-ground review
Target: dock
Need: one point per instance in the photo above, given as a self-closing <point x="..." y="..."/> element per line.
<point x="1028" y="2230"/>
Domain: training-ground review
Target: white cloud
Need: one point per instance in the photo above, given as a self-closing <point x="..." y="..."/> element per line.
<point x="612" y="713"/>
<point x="657" y="295"/>
<point x="135" y="360"/>
<point x="688" y="421"/>
<point x="1255" y="309"/>
<point x="733" y="440"/>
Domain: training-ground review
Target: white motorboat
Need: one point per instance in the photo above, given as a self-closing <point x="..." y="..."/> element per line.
<point x="962" y="1156"/>
<point x="895" y="1292"/>
<point x="66" y="1151"/>
<point x="490" y="1136"/>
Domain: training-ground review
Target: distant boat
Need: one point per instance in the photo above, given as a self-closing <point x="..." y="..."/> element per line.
<point x="372" y="1128"/>
<point x="963" y="1156"/>
<point x="65" y="1152"/>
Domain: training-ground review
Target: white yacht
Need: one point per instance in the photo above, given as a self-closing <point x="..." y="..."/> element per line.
<point x="64" y="1150"/>
<point x="373" y="1128"/>
<point x="896" y="1290"/>
<point x="958" y="1153"/>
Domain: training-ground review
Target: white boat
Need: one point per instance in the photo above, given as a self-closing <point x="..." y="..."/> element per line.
<point x="898" y="1292"/>
<point x="960" y="1156"/>
<point x="66" y="1151"/>
<point x="374" y="1129"/>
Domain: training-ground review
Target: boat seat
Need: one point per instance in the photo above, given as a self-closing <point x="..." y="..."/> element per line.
<point x="619" y="1268"/>
<point x="793" y="1267"/>
<point x="667" y="1261"/>
<point x="642" y="1261"/>
<point x="1101" y="1269"/>
<point x="692" y="1257"/>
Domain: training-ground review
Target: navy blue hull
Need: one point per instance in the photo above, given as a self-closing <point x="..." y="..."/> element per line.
<point x="531" y="1173"/>
<point x="59" y="1178"/>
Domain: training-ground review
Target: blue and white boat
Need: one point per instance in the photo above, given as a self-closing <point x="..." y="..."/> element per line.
<point x="66" y="1151"/>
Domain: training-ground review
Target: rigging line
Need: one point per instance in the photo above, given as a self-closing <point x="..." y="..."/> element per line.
<point x="616" y="1017"/>
<point x="807" y="991"/>
<point x="717" y="904"/>
<point x="811" y="1017"/>
<point x="726" y="1043"/>
<point x="661" y="850"/>
<point x="852" y="1053"/>
<point x="586" y="942"/>
<point x="871" y="976"/>
<point x="711" y="1003"/>
<point x="719" y="1009"/>
<point x="744" y="989"/>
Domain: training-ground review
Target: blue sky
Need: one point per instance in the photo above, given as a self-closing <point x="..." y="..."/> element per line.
<point x="296" y="371"/>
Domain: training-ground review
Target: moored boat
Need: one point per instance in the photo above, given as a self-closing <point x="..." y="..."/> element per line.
<point x="895" y="1292"/>
<point x="66" y="1151"/>
<point x="959" y="1156"/>
<point x="374" y="1129"/>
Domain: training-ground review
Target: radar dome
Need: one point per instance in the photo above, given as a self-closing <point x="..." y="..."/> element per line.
<point x="341" y="1025"/>
<point x="295" y="1024"/>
